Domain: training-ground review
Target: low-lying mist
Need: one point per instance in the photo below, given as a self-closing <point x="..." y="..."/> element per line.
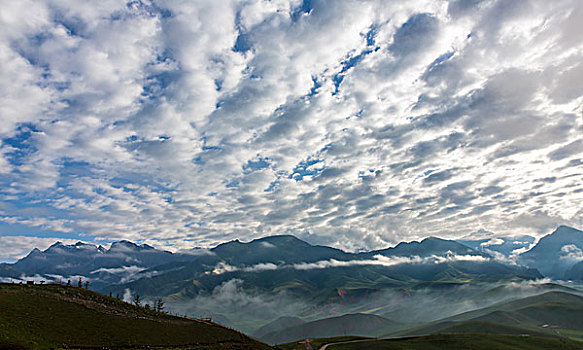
<point x="246" y="309"/>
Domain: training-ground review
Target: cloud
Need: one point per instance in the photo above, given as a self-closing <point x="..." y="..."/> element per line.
<point x="377" y="260"/>
<point x="267" y="245"/>
<point x="358" y="124"/>
<point x="126" y="273"/>
<point x="223" y="268"/>
<point x="16" y="247"/>
<point x="571" y="252"/>
<point x="495" y="241"/>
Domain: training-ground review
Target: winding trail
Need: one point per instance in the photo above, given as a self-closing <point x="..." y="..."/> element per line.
<point x="325" y="346"/>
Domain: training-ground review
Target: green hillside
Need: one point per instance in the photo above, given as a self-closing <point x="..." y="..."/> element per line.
<point x="346" y="325"/>
<point x="278" y="325"/>
<point x="55" y="316"/>
<point x="464" y="341"/>
<point x="552" y="313"/>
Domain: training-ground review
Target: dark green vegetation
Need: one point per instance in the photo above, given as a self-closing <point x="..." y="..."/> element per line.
<point x="353" y="325"/>
<point x="50" y="316"/>
<point x="464" y="341"/>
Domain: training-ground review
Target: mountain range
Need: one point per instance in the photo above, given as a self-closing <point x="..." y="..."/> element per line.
<point x="250" y="285"/>
<point x="101" y="266"/>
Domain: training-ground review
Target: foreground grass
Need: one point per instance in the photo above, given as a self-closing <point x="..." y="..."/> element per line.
<point x="55" y="316"/>
<point x="465" y="341"/>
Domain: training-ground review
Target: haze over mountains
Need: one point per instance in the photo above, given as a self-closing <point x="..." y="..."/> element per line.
<point x="282" y="282"/>
<point x="95" y="263"/>
<point x="288" y="252"/>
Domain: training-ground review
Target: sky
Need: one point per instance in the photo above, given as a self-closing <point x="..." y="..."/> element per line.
<point x="355" y="124"/>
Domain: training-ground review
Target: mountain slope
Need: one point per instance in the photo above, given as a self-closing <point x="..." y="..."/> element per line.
<point x="351" y="324"/>
<point x="278" y="325"/>
<point x="427" y="247"/>
<point x="276" y="249"/>
<point x="50" y="316"/>
<point x="556" y="253"/>
<point x="502" y="245"/>
<point x="575" y="273"/>
<point x="557" y="310"/>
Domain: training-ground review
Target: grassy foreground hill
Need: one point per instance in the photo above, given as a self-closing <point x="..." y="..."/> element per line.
<point x="55" y="316"/>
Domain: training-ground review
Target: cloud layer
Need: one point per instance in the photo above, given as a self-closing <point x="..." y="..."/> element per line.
<point x="377" y="260"/>
<point x="351" y="123"/>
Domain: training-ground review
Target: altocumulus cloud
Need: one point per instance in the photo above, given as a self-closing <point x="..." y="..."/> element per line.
<point x="352" y="123"/>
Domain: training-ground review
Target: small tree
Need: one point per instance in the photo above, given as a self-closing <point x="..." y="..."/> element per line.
<point x="159" y="305"/>
<point x="137" y="300"/>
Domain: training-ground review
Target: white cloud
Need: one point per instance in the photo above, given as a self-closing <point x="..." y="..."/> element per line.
<point x="267" y="245"/>
<point x="198" y="122"/>
<point x="571" y="252"/>
<point x="377" y="260"/>
<point x="223" y="267"/>
<point x="16" y="247"/>
<point x="493" y="241"/>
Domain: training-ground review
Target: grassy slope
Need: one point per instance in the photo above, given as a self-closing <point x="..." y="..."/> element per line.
<point x="352" y="324"/>
<point x="57" y="316"/>
<point x="523" y="316"/>
<point x="465" y="341"/>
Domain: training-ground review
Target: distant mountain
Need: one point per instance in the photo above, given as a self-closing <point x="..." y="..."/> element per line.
<point x="255" y="281"/>
<point x="352" y="324"/>
<point x="278" y="276"/>
<point x="120" y="263"/>
<point x="275" y="249"/>
<point x="503" y="245"/>
<point x="56" y="316"/>
<point x="285" y="263"/>
<point x="427" y="247"/>
<point x="555" y="253"/>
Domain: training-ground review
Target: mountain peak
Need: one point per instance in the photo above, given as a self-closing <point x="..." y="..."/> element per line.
<point x="281" y="240"/>
<point x="55" y="245"/>
<point x="123" y="245"/>
<point x="551" y="254"/>
<point x="563" y="229"/>
<point x="434" y="240"/>
<point x="429" y="246"/>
